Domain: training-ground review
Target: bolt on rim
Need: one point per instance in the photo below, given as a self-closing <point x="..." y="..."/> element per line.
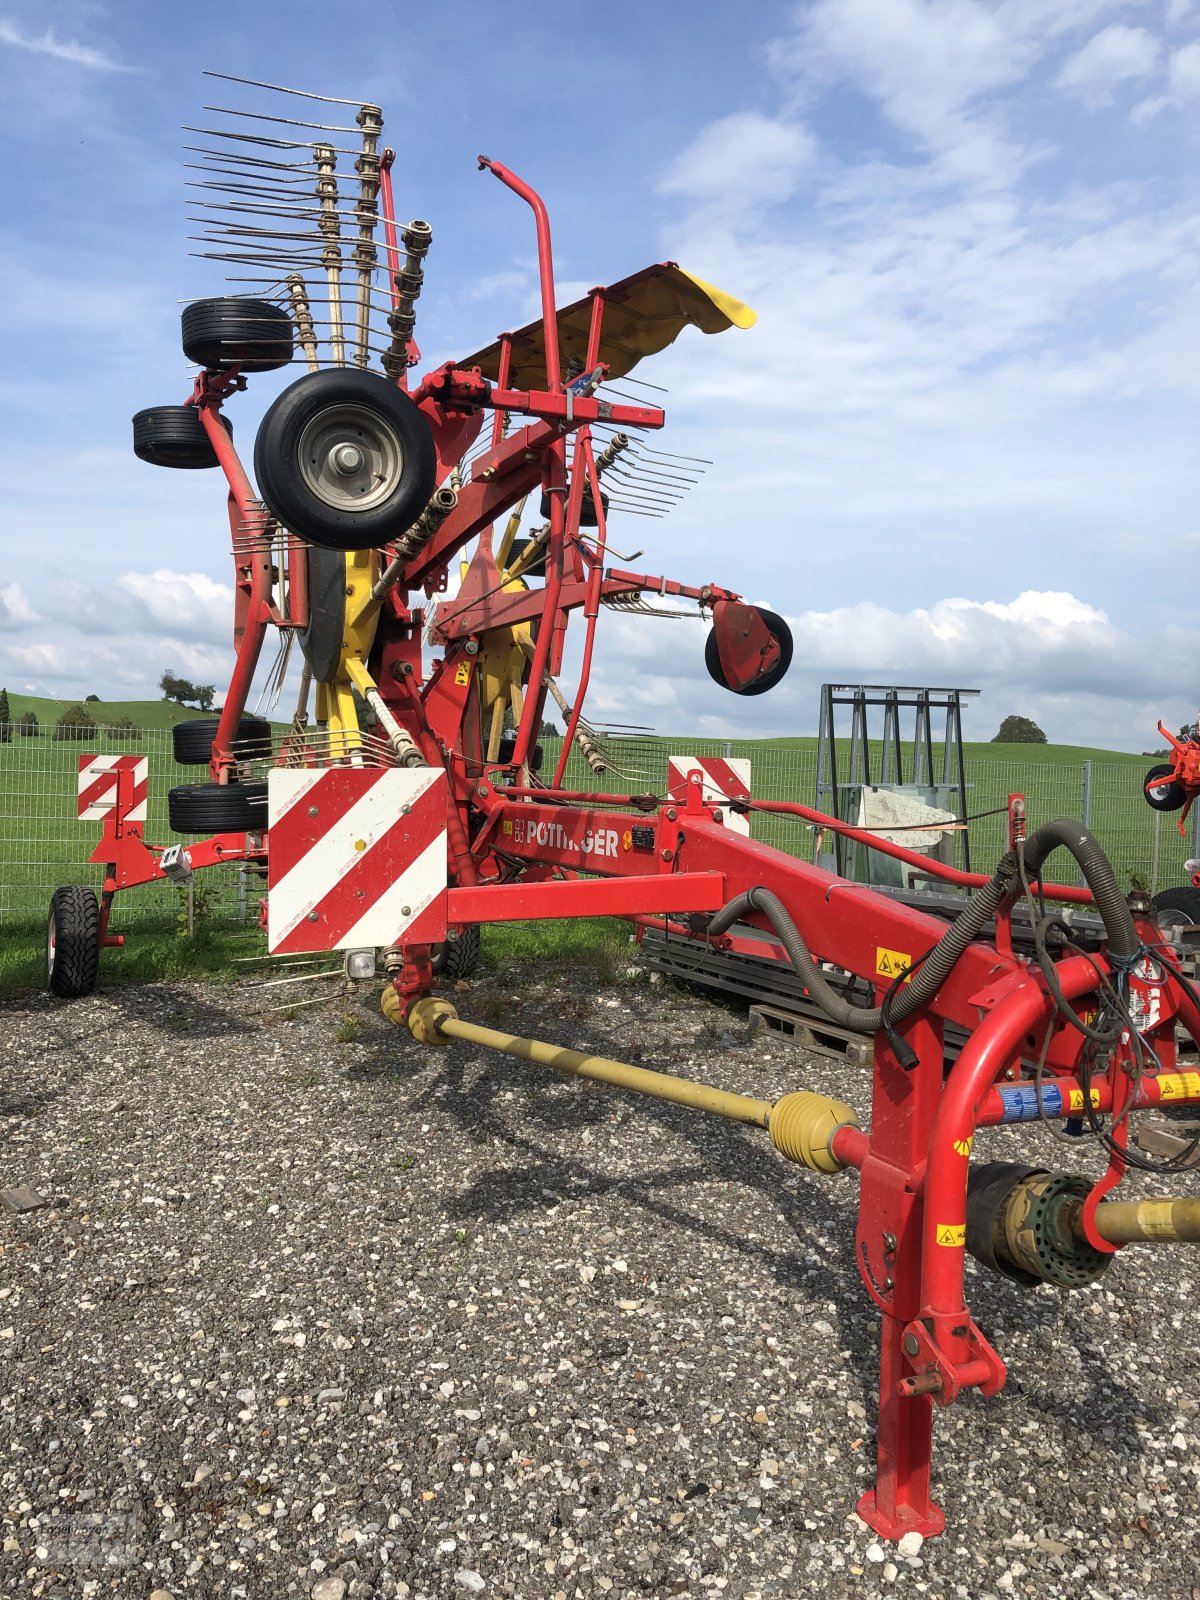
<point x="350" y="458"/>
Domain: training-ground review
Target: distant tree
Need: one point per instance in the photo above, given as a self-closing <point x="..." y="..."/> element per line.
<point x="76" y="722"/>
<point x="548" y="731"/>
<point x="5" y="728"/>
<point x="177" y="689"/>
<point x="1019" y="730"/>
<point x="124" y="728"/>
<point x="92" y="700"/>
<point x="185" y="693"/>
<point x="28" y="725"/>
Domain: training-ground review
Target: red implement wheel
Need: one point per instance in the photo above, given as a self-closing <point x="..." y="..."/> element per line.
<point x="1162" y="792"/>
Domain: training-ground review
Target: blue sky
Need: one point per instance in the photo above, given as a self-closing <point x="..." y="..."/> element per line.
<point x="960" y="446"/>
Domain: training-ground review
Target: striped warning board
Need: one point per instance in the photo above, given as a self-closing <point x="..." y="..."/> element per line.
<point x="724" y="779"/>
<point x="357" y="858"/>
<point x="97" y="787"/>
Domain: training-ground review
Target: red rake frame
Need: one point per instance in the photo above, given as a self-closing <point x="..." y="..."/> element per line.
<point x="517" y="852"/>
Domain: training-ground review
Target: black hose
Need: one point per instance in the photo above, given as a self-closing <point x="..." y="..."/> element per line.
<point x="939" y="961"/>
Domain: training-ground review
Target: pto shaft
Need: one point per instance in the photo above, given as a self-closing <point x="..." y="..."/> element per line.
<point x="1145" y="1221"/>
<point x="801" y="1125"/>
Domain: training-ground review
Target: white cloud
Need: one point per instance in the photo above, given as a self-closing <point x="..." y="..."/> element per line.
<point x="15" y="610"/>
<point x="1115" y="56"/>
<point x="70" y="50"/>
<point x="742" y="159"/>
<point x="1184" y="71"/>
<point x="1046" y="654"/>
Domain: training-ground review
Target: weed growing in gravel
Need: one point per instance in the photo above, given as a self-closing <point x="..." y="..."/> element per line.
<point x="348" y="1029"/>
<point x="461" y="1240"/>
<point x="309" y="1078"/>
<point x="403" y="1163"/>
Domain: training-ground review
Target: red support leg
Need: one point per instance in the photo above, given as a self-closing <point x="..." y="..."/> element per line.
<point x="889" y="1258"/>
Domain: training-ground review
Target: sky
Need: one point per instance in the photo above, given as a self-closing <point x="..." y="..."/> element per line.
<point x="959" y="447"/>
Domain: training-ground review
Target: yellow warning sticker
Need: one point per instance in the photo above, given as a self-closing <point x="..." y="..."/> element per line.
<point x="953" y="1234"/>
<point x="1075" y="1098"/>
<point x="890" y="963"/>
<point x="627" y="839"/>
<point x="962" y="1147"/>
<point x="506" y="827"/>
<point x="1179" y="1085"/>
<point x="462" y="673"/>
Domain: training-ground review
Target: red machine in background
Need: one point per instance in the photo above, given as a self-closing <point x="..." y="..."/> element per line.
<point x="432" y="817"/>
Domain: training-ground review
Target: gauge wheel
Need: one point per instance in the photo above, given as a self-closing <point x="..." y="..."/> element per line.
<point x="192" y="740"/>
<point x="73" y="942"/>
<point x="174" y="436"/>
<point x="587" y="507"/>
<point x="252" y="335"/>
<point x="782" y="635"/>
<point x="457" y="958"/>
<point x="345" y="460"/>
<point x="218" y="807"/>
<point x="1177" y="908"/>
<point x="1162" y="792"/>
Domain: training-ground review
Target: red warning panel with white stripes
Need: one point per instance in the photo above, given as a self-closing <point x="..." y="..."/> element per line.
<point x="97" y="787"/>
<point x="725" y="778"/>
<point x="357" y="858"/>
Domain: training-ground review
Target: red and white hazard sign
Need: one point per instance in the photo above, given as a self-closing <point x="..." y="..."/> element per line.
<point x="724" y="779"/>
<point x="97" y="787"/>
<point x="357" y="858"/>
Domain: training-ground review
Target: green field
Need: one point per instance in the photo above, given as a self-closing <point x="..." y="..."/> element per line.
<point x="42" y="845"/>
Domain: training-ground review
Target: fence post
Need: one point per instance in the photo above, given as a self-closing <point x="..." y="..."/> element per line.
<point x="1154" y="853"/>
<point x="728" y="750"/>
<point x="1085" y="803"/>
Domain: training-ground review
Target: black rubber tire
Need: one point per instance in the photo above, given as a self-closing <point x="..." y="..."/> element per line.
<point x="457" y="958"/>
<point x="217" y="807"/>
<point x="192" y="740"/>
<point x="174" y="436"/>
<point x="1177" y="908"/>
<point x="321" y="641"/>
<point x="587" y="507"/>
<point x="73" y="942"/>
<point x="779" y="628"/>
<point x="327" y="410"/>
<point x="1169" y="795"/>
<point x="252" y="335"/>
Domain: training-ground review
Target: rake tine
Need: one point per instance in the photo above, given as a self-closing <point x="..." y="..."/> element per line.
<point x="278" y="88"/>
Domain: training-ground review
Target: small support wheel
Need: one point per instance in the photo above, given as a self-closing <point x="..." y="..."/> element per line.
<point x="174" y="436"/>
<point x="192" y="740"/>
<point x="252" y="335"/>
<point x="217" y="807"/>
<point x="457" y="958"/>
<point x="1177" y="908"/>
<point x="73" y="942"/>
<point x="345" y="459"/>
<point x="1162" y="791"/>
<point x="782" y="635"/>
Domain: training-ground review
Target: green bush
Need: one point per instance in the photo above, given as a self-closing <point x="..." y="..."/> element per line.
<point x="76" y="722"/>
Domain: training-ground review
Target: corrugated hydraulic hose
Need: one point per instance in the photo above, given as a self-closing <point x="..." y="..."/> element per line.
<point x="928" y="978"/>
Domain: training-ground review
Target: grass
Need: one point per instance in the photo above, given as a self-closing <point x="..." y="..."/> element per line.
<point x="151" y="955"/>
<point x="42" y="844"/>
<point x="148" y="714"/>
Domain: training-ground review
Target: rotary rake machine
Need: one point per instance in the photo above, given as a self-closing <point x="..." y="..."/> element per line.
<point x="405" y="813"/>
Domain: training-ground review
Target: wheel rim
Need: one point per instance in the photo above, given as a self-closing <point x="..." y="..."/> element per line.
<point x="1160" y="791"/>
<point x="350" y="459"/>
<point x="51" y="946"/>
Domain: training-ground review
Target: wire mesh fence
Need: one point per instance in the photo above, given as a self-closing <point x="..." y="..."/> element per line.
<point x="43" y="845"/>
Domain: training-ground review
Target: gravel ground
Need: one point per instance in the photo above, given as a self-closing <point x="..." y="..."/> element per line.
<point x="316" y="1311"/>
